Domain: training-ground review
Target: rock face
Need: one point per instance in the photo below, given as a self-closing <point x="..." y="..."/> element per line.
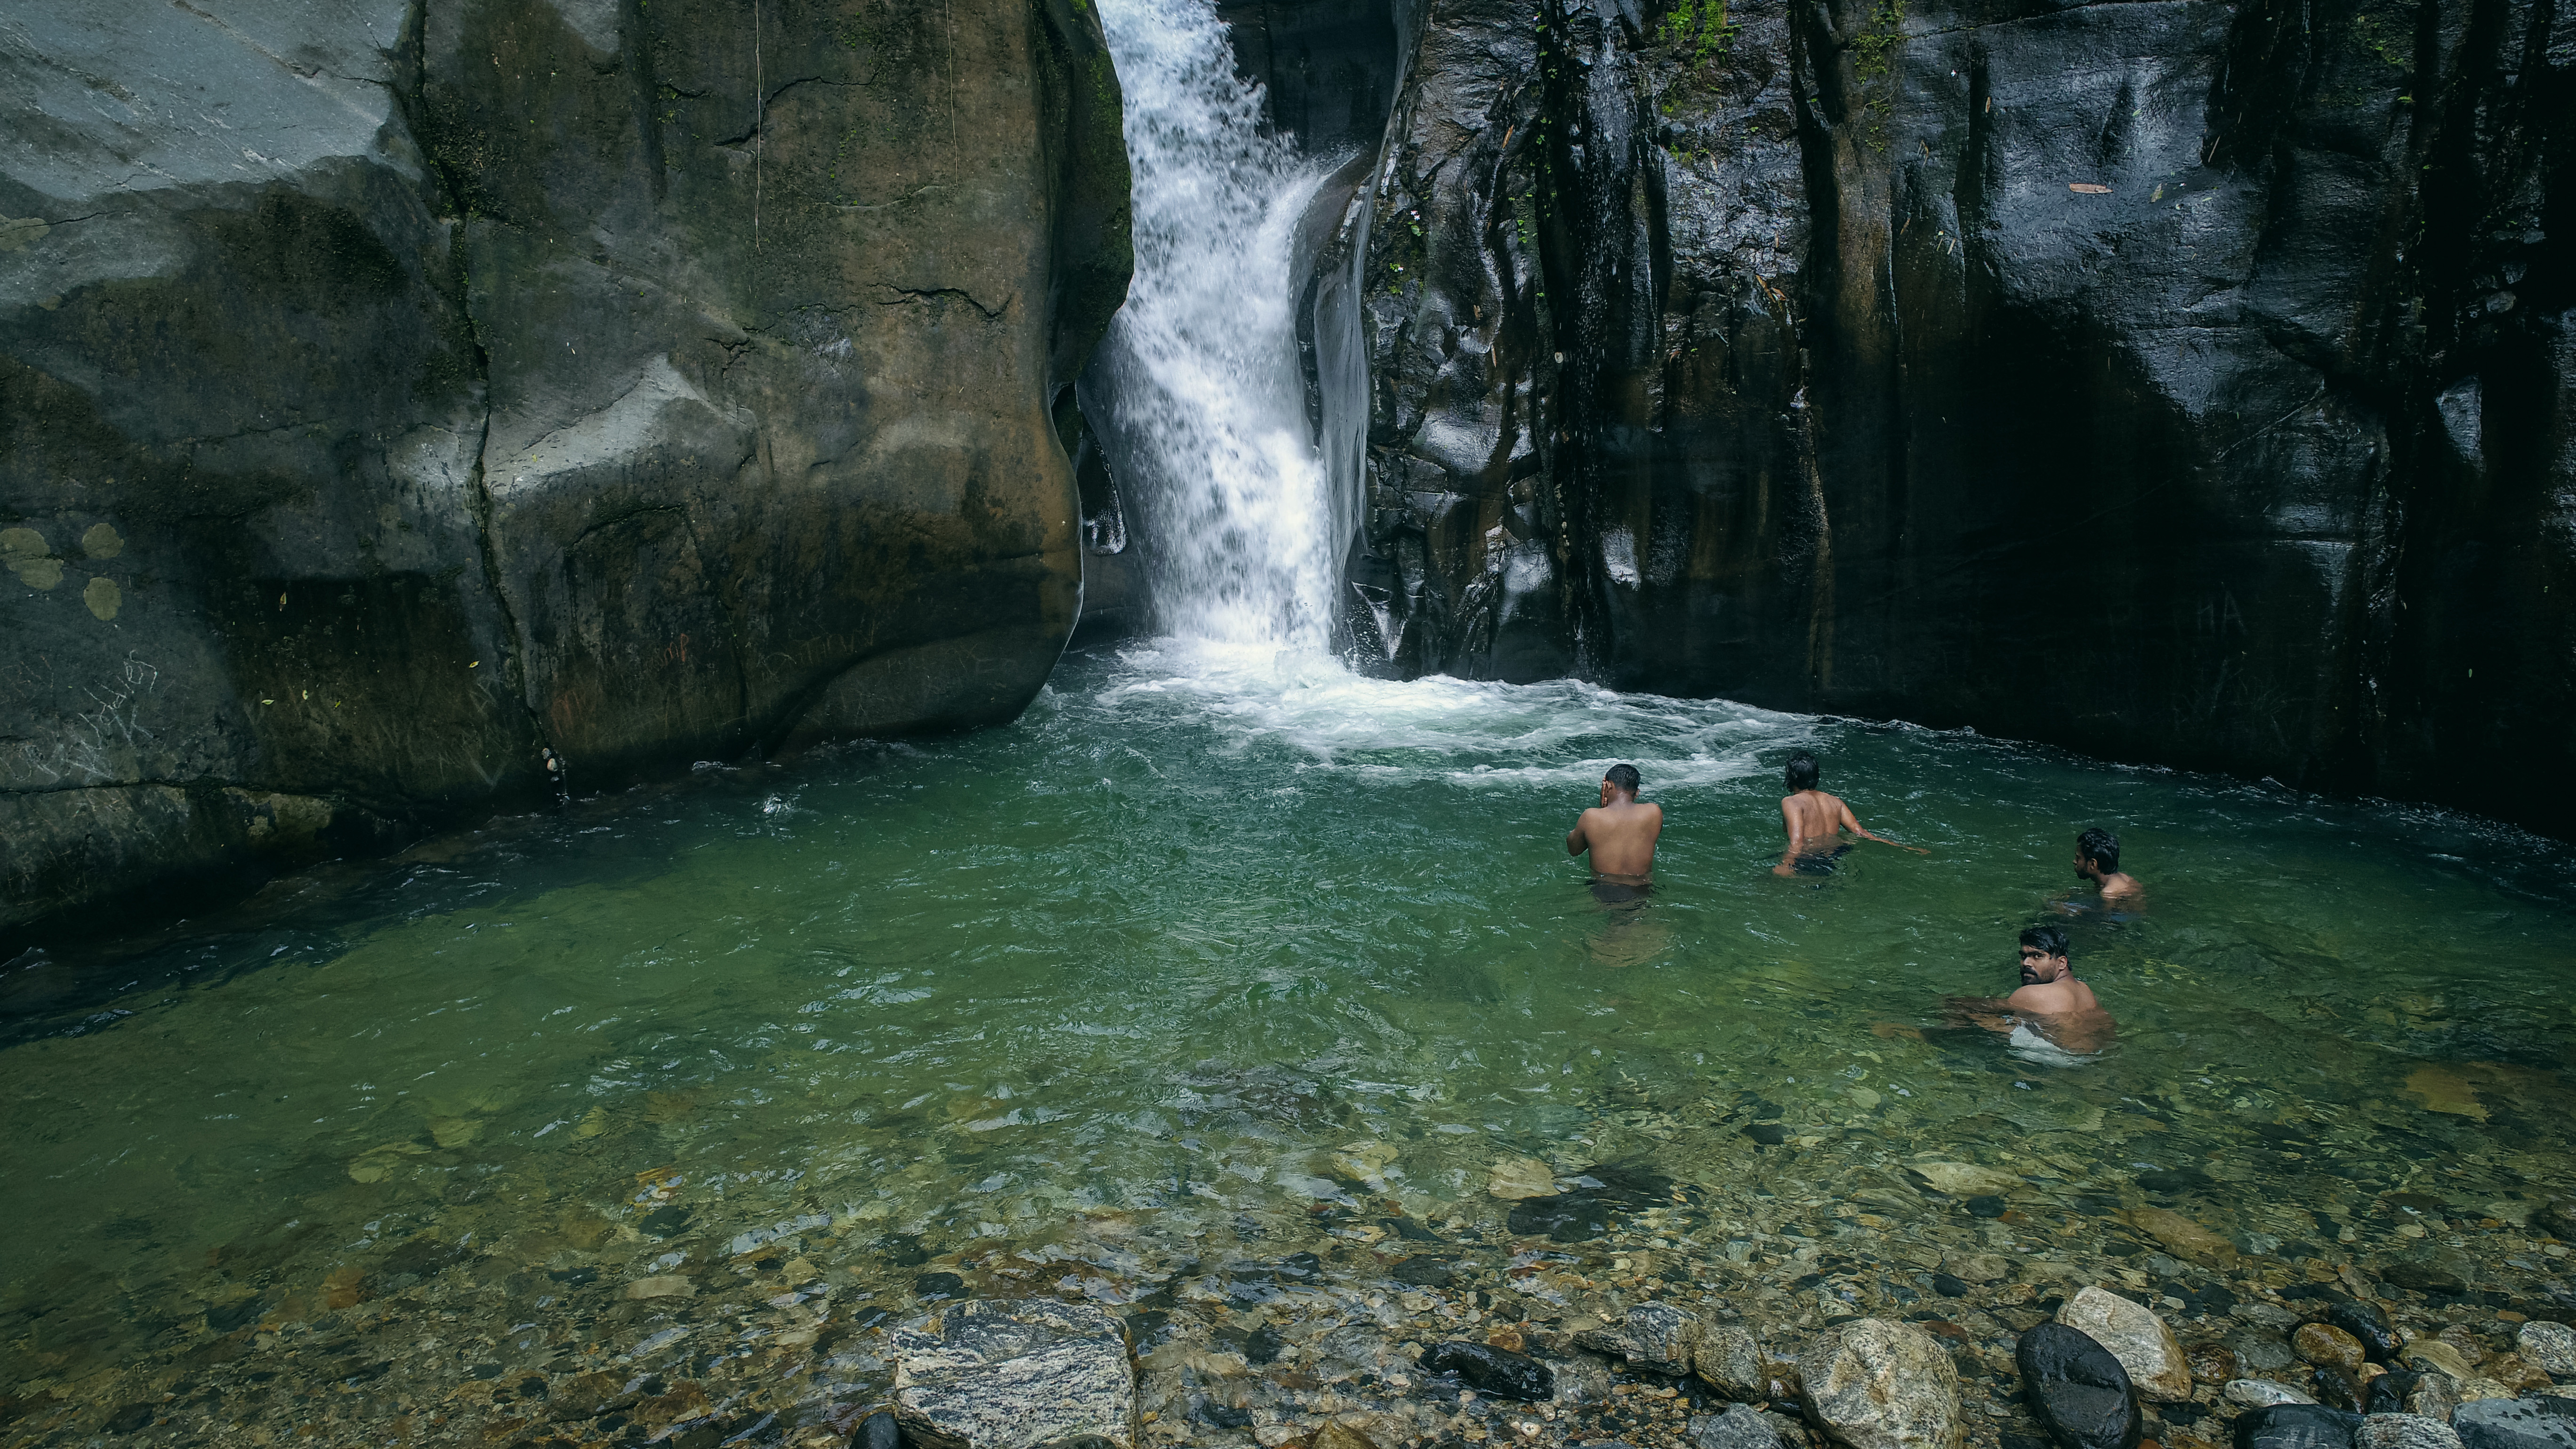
<point x="2077" y="1389"/>
<point x="1745" y="349"/>
<point x="1014" y="1374"/>
<point x="1873" y="1384"/>
<point x="397" y="391"/>
<point x="2136" y="1337"/>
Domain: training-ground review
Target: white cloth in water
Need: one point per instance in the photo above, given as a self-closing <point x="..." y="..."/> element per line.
<point x="2027" y="1044"/>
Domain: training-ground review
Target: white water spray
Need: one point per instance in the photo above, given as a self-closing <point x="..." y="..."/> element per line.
<point x="1208" y="427"/>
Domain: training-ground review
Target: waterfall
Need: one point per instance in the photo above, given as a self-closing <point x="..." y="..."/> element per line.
<point x="1205" y="419"/>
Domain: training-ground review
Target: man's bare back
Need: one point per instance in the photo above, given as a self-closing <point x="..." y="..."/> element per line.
<point x="1620" y="831"/>
<point x="1815" y="822"/>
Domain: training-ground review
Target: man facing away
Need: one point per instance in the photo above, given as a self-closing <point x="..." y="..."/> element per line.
<point x="1620" y="832"/>
<point x="2097" y="859"/>
<point x="2053" y="1015"/>
<point x="1816" y="822"/>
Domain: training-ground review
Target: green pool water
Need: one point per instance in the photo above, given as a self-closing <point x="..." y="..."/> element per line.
<point x="1206" y="954"/>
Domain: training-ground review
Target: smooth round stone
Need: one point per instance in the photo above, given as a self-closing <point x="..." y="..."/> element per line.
<point x="2548" y="1347"/>
<point x="2367" y="1322"/>
<point x="2077" y="1389"/>
<point x="1875" y="1384"/>
<point x="2136" y="1337"/>
<point x="2327" y="1346"/>
<point x="2258" y="1352"/>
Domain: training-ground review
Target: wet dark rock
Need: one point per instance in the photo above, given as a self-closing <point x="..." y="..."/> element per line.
<point x="2387" y="1393"/>
<point x="2327" y="1346"/>
<point x="2261" y="1352"/>
<point x="131" y="1418"/>
<point x="903" y="1250"/>
<point x="1767" y="1134"/>
<point x="2559" y="1217"/>
<point x="877" y="1431"/>
<point x="227" y="1317"/>
<point x="938" y="1285"/>
<point x="1302" y="1267"/>
<point x="1221" y="1416"/>
<point x="2175" y="1180"/>
<point x="1262" y="1345"/>
<point x="2296" y="1426"/>
<point x="1948" y="1287"/>
<point x="1572" y="1217"/>
<point x="1491" y="1370"/>
<point x="2077" y="1390"/>
<point x="1655" y="1337"/>
<point x="664" y="1222"/>
<point x="1411" y="1231"/>
<point x="2368" y="1324"/>
<point x="1741" y="1427"/>
<point x="2540" y="1422"/>
<point x="1987" y="1206"/>
<point x="573" y="1277"/>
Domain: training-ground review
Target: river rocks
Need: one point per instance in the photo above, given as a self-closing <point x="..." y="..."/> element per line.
<point x="2404" y="1431"/>
<point x="1742" y="1426"/>
<point x="1979" y="1267"/>
<point x="2296" y="1426"/>
<point x="1965" y="1179"/>
<point x="2368" y="1324"/>
<point x="1655" y="1337"/>
<point x="2077" y="1389"/>
<point x="1729" y="1360"/>
<point x="2559" y="1217"/>
<point x="2534" y="1423"/>
<point x="2327" y="1346"/>
<point x="877" y="1431"/>
<point x="2548" y="1347"/>
<point x="1514" y="1178"/>
<point x="2260" y="1393"/>
<point x="2212" y="1363"/>
<point x="2441" y="1357"/>
<point x="2426" y="1278"/>
<point x="1013" y="1374"/>
<point x="2135" y="1336"/>
<point x="2386" y="1394"/>
<point x="2182" y="1236"/>
<point x="1491" y="1370"/>
<point x="2258" y="1352"/>
<point x="1873" y="1384"/>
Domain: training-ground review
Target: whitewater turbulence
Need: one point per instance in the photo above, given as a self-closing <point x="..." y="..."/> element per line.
<point x="1205" y="419"/>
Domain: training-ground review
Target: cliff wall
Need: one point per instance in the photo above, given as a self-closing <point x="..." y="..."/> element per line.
<point x="395" y="396"/>
<point x="2173" y="380"/>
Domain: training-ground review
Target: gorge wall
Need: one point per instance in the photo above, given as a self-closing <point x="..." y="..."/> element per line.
<point x="2173" y="380"/>
<point x="394" y="393"/>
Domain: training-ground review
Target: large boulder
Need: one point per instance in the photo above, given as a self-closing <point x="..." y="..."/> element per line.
<point x="2540" y="1422"/>
<point x="1015" y="1374"/>
<point x="399" y="390"/>
<point x="1875" y="1384"/>
<point x="2134" y="1335"/>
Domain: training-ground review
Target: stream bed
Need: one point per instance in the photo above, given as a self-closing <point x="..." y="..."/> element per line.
<point x="1260" y="1002"/>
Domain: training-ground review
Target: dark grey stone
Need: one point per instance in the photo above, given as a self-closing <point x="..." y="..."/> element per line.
<point x="1491" y="1370"/>
<point x="2296" y="1426"/>
<point x="2077" y="1390"/>
<point x="2540" y="1422"/>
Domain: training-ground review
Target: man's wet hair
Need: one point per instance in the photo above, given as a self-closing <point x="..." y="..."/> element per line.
<point x="2050" y="940"/>
<point x="2100" y="847"/>
<point x="1624" y="779"/>
<point x="1803" y="771"/>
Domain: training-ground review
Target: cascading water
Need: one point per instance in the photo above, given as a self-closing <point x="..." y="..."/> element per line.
<point x="1206" y="420"/>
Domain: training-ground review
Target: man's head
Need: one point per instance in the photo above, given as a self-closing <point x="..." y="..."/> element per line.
<point x="2097" y="854"/>
<point x="1622" y="781"/>
<point x="2044" y="956"/>
<point x="1803" y="773"/>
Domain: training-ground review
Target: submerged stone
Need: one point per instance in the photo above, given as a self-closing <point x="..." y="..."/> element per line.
<point x="1014" y="1374"/>
<point x="1729" y="1360"/>
<point x="2404" y="1431"/>
<point x="2548" y="1347"/>
<point x="2327" y="1346"/>
<point x="1742" y="1426"/>
<point x="2368" y="1324"/>
<point x="2077" y="1389"/>
<point x="2264" y="1393"/>
<point x="1656" y="1337"/>
<point x="2296" y="1426"/>
<point x="2540" y="1422"/>
<point x="1491" y="1370"/>
<point x="877" y="1431"/>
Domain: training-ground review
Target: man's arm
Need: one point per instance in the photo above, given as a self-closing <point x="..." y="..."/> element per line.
<point x="1789" y="852"/>
<point x="1984" y="1011"/>
<point x="1852" y="823"/>
<point x="1575" y="843"/>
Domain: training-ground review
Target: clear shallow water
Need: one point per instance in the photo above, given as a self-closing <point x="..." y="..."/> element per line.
<point x="1209" y="954"/>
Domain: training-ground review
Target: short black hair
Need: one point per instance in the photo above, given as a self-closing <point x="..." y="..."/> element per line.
<point x="2100" y="847"/>
<point x="2051" y="940"/>
<point x="1623" y="778"/>
<point x="1803" y="773"/>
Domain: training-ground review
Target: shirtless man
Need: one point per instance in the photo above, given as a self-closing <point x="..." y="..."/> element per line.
<point x="1816" y="822"/>
<point x="1620" y="832"/>
<point x="2097" y="859"/>
<point x="2052" y="1013"/>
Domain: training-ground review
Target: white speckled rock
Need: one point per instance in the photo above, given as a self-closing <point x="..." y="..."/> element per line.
<point x="1729" y="1359"/>
<point x="1872" y="1384"/>
<point x="1012" y="1374"/>
<point x="2548" y="1347"/>
<point x="2136" y="1337"/>
<point x="2404" y="1431"/>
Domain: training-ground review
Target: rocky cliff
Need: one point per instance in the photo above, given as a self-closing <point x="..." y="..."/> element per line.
<point x="2174" y="380"/>
<point x="394" y="393"/>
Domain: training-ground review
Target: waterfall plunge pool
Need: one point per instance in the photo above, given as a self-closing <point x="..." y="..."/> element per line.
<point x="1231" y="991"/>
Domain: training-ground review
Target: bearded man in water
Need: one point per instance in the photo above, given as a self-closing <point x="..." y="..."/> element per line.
<point x="2053" y="1015"/>
<point x="1620" y="832"/>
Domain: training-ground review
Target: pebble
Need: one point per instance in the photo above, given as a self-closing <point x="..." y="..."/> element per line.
<point x="1741" y="1427"/>
<point x="2548" y="1347"/>
<point x="2262" y="1393"/>
<point x="2543" y="1422"/>
<point x="1873" y="1384"/>
<point x="2404" y="1431"/>
<point x="2135" y="1336"/>
<point x="2077" y="1389"/>
<point x="1491" y="1370"/>
<point x="2327" y="1346"/>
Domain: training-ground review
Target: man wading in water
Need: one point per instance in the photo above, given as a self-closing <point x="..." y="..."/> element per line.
<point x="1816" y="822"/>
<point x="2053" y="1017"/>
<point x="2097" y="859"/>
<point x="1620" y="832"/>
